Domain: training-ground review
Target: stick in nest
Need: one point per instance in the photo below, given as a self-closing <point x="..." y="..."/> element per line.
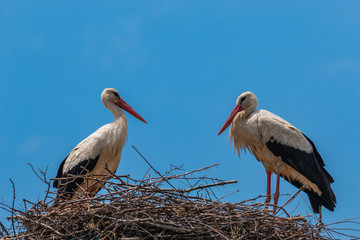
<point x="148" y="209"/>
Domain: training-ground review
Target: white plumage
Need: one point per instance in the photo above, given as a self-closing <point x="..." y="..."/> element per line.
<point x="97" y="153"/>
<point x="282" y="149"/>
<point x="109" y="140"/>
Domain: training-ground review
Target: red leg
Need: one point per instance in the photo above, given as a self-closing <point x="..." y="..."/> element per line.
<point x="268" y="189"/>
<point x="276" y="194"/>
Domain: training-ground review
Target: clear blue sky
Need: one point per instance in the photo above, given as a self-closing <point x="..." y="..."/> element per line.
<point x="181" y="65"/>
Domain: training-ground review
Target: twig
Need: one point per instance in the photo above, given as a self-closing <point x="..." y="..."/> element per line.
<point x="202" y="186"/>
<point x="290" y="199"/>
<point x="4" y="228"/>
<point x="149" y="209"/>
<point x="153" y="167"/>
<point x="12" y="206"/>
<point x="43" y="179"/>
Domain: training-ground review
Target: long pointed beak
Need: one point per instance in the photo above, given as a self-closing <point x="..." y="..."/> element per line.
<point x="121" y="103"/>
<point x="229" y="120"/>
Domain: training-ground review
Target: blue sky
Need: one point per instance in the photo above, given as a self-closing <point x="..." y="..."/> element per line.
<point x="181" y="65"/>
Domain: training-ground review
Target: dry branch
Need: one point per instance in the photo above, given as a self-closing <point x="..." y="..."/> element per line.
<point x="156" y="208"/>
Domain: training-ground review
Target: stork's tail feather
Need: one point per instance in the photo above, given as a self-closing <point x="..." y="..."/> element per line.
<point x="318" y="201"/>
<point x="327" y="199"/>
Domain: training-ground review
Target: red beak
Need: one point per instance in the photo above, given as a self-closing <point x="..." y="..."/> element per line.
<point x="121" y="103"/>
<point x="229" y="120"/>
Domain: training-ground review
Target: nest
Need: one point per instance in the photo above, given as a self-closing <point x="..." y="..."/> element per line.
<point x="156" y="208"/>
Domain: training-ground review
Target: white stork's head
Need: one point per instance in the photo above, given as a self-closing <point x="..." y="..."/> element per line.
<point x="112" y="101"/>
<point x="246" y="103"/>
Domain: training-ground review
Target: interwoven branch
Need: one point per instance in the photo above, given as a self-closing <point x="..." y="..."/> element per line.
<point x="150" y="209"/>
<point x="155" y="207"/>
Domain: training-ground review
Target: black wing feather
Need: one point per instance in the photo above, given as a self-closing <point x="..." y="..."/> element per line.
<point x="59" y="173"/>
<point x="319" y="158"/>
<point x="67" y="187"/>
<point x="311" y="166"/>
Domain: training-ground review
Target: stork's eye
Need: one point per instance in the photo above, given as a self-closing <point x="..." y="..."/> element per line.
<point x="116" y="94"/>
<point x="242" y="99"/>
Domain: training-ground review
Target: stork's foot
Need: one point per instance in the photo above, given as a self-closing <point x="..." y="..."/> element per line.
<point x="274" y="210"/>
<point x="319" y="222"/>
<point x="267" y="201"/>
<point x="276" y="199"/>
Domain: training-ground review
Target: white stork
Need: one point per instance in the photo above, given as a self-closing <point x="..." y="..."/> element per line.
<point x="94" y="154"/>
<point x="282" y="149"/>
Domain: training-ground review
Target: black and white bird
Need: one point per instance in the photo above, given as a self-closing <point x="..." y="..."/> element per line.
<point x="96" y="153"/>
<point x="282" y="149"/>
